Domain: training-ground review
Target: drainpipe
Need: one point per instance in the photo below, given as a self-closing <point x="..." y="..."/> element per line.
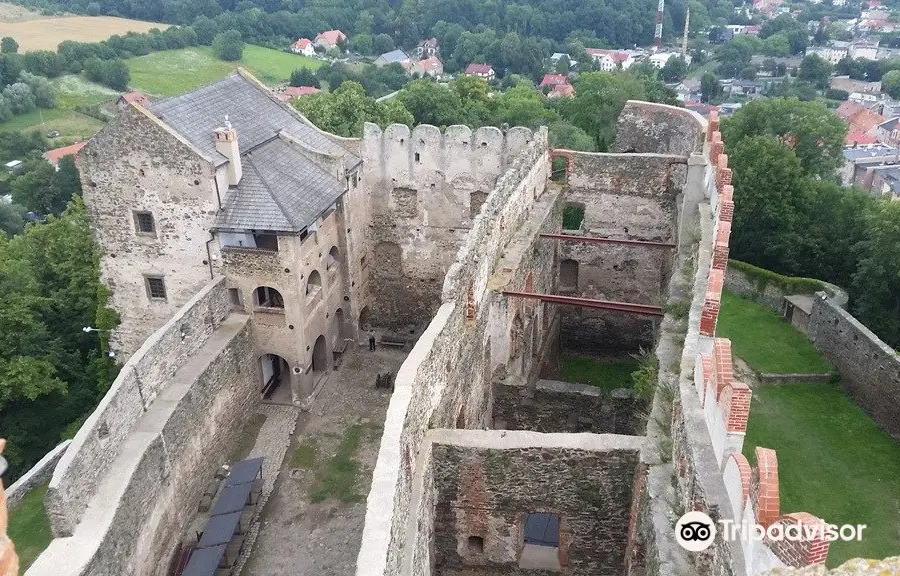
<point x="209" y="255"/>
<point x="218" y="196"/>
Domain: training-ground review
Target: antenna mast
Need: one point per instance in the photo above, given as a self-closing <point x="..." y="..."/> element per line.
<point x="657" y="38"/>
<point x="687" y="20"/>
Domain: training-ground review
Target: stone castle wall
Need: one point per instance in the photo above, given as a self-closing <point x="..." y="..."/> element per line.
<point x="486" y="482"/>
<point x="425" y="189"/>
<point x="37" y="475"/>
<point x="103" y="435"/>
<point x="452" y="363"/>
<point x="869" y="368"/>
<point x="648" y="127"/>
<point x="139" y="165"/>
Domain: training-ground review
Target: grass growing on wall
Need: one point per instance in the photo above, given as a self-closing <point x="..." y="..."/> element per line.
<point x="29" y="528"/>
<point x="765" y="341"/>
<point x="833" y="462"/>
<point x="787" y="284"/>
<point x="604" y="374"/>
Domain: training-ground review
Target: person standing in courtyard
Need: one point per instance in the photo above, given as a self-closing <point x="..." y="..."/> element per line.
<point x="371" y="340"/>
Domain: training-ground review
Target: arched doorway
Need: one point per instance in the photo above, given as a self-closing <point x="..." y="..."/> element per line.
<point x="267" y="297"/>
<point x="274" y="372"/>
<point x="338" y="329"/>
<point x="364" y="322"/>
<point x="319" y="356"/>
<point x="314" y="283"/>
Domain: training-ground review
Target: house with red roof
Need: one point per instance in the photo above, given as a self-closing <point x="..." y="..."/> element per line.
<point x="609" y="60"/>
<point x="485" y="71"/>
<point x="330" y="39"/>
<point x="292" y="92"/>
<point x="428" y="67"/>
<point x="57" y="154"/>
<point x="553" y="80"/>
<point x="303" y="46"/>
<point x="562" y="91"/>
<point x="133" y="96"/>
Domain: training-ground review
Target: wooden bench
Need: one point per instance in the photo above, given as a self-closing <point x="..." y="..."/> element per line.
<point x="393" y="343"/>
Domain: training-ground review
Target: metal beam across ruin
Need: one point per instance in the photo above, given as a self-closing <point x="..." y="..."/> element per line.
<point x="591" y="303"/>
<point x="600" y="240"/>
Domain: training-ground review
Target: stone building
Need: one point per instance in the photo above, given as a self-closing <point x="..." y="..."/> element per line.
<point x="245" y="248"/>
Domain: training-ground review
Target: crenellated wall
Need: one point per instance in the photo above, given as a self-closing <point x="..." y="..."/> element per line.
<point x="425" y="189"/>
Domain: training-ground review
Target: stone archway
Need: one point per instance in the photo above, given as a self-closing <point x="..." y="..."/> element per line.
<point x="320" y="355"/>
<point x="274" y="371"/>
<point x="338" y="325"/>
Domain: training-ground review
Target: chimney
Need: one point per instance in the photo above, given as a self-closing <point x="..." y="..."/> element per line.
<point x="227" y="145"/>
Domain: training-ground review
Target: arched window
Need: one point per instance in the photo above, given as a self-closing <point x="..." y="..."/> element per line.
<point x="333" y="258"/>
<point x="266" y="297"/>
<point x="314" y="284"/>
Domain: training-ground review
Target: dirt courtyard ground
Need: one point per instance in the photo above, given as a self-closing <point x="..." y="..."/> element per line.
<point x="312" y="523"/>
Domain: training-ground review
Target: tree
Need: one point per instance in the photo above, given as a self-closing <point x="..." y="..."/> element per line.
<point x="599" y="99"/>
<point x="8" y="45"/>
<point x="815" y="133"/>
<point x="206" y="30"/>
<point x="876" y="284"/>
<point x="112" y="73"/>
<point x="345" y="110"/>
<point x="19" y="98"/>
<point x="43" y="91"/>
<point x="815" y="70"/>
<point x="565" y="135"/>
<point x="382" y="43"/>
<point x="12" y="220"/>
<point x="361" y="43"/>
<point x="304" y="77"/>
<point x="710" y="89"/>
<point x="431" y="103"/>
<point x="523" y="106"/>
<point x="563" y="65"/>
<point x="890" y="83"/>
<point x="228" y="46"/>
<point x="674" y="71"/>
<point x="769" y="192"/>
<point x="67" y="179"/>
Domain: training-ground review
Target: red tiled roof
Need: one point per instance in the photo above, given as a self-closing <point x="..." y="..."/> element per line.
<point x="848" y="109"/>
<point x="617" y="55"/>
<point x="562" y="90"/>
<point x="431" y="64"/>
<point x="55" y="155"/>
<point x="865" y="120"/>
<point x="554" y="79"/>
<point x="331" y="36"/>
<point x="135" y="96"/>
<point x="479" y="69"/>
<point x="296" y="91"/>
<point x="857" y="137"/>
<point x="301" y="43"/>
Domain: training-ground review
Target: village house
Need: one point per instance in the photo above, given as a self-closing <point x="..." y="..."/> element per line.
<point x="830" y="53"/>
<point x="427" y="49"/>
<point x="888" y="132"/>
<point x="850" y="85"/>
<point x="292" y="92"/>
<point x="428" y="67"/>
<point x="303" y="46"/>
<point x="562" y="91"/>
<point x="392" y="57"/>
<point x="862" y="122"/>
<point x="133" y="96"/>
<point x="55" y="155"/>
<point x="485" y="71"/>
<point x="330" y="39"/>
<point x="553" y="80"/>
<point x="609" y="60"/>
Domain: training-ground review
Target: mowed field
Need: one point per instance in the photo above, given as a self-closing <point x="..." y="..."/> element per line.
<point x="46" y="33"/>
<point x="172" y="72"/>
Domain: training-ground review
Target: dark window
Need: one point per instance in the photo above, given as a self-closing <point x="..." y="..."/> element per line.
<point x="156" y="288"/>
<point x="266" y="297"/>
<point x="542" y="529"/>
<point x="417" y="156"/>
<point x="143" y="222"/>
<point x="476" y="544"/>
<point x="355" y="179"/>
<point x="266" y="241"/>
<point x="234" y="294"/>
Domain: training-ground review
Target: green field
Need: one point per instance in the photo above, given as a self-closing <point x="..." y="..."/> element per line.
<point x="765" y="341"/>
<point x="172" y="72"/>
<point x="72" y="126"/>
<point x="29" y="528"/>
<point x="607" y="375"/>
<point x="833" y="462"/>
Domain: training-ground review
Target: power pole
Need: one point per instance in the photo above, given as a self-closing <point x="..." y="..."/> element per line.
<point x="657" y="39"/>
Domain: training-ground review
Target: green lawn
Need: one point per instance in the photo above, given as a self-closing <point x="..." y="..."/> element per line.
<point x="71" y="125"/>
<point x="765" y="341"/>
<point x="29" y="528"/>
<point x="605" y="374"/>
<point x="833" y="462"/>
<point x="74" y="90"/>
<point x="172" y="72"/>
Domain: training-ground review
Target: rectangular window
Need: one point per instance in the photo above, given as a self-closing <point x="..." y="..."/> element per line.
<point x="156" y="287"/>
<point x="234" y="294"/>
<point x="266" y="241"/>
<point x="143" y="223"/>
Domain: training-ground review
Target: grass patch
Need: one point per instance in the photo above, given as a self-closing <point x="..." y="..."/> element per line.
<point x="71" y="125"/>
<point x="173" y="72"/>
<point x="765" y="341"/>
<point x="305" y="454"/>
<point x="339" y="476"/>
<point x="604" y="374"/>
<point x="73" y="91"/>
<point x="833" y="462"/>
<point x="29" y="527"/>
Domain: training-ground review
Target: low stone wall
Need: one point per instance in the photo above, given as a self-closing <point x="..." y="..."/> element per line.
<point x="103" y="435"/>
<point x="647" y="127"/>
<point x="148" y="497"/>
<point x="869" y="368"/>
<point x="486" y="482"/>
<point x="547" y="407"/>
<point x="769" y="289"/>
<point x="39" y="473"/>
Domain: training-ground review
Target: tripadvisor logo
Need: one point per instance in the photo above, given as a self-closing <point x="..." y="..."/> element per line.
<point x="695" y="531"/>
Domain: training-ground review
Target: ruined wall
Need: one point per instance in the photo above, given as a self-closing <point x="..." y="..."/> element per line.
<point x="424" y="193"/>
<point x="452" y="363"/>
<point x="136" y="164"/>
<point x="552" y="406"/>
<point x="103" y="435"/>
<point x="647" y="127"/>
<point x="37" y="475"/>
<point x="625" y="197"/>
<point x="145" y="508"/>
<point x="769" y="289"/>
<point x="486" y="483"/>
<point x="869" y="368"/>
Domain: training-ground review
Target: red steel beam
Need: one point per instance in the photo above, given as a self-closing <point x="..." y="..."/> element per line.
<point x="591" y="303"/>
<point x="600" y="240"/>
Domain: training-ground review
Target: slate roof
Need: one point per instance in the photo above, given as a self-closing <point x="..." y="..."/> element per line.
<point x="394" y="56"/>
<point x="255" y="113"/>
<point x="280" y="190"/>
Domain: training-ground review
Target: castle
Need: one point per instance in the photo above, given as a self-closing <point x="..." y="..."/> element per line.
<point x="248" y="253"/>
